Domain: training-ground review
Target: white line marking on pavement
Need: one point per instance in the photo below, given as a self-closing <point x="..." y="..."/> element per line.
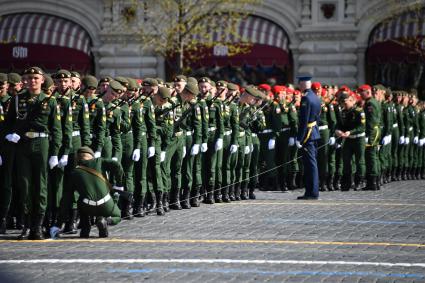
<point x="234" y="261"/>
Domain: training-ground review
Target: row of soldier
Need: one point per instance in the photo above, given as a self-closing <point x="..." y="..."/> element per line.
<point x="189" y="141"/>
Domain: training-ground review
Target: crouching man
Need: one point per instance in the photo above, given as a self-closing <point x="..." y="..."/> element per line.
<point x="95" y="199"/>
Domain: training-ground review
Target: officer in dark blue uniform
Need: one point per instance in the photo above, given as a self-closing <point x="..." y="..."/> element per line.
<point x="308" y="136"/>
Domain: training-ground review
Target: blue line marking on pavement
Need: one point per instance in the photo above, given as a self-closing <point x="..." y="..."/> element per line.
<point x="262" y="272"/>
<point x="383" y="222"/>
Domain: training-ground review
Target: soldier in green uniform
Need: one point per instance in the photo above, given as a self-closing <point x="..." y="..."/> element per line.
<point x="405" y="137"/>
<point x="351" y="128"/>
<point x="144" y="131"/>
<point x="395" y="136"/>
<point x="293" y="167"/>
<point x="372" y="111"/>
<point x="76" y="82"/>
<point x="89" y="179"/>
<point x="422" y="140"/>
<point x="230" y="141"/>
<point x="30" y="124"/>
<point x="387" y="128"/>
<point x="414" y="133"/>
<point x="164" y="125"/>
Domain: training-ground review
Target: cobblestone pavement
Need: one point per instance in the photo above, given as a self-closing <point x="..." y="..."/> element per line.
<point x="343" y="237"/>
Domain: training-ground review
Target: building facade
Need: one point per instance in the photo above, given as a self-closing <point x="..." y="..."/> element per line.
<point x="328" y="39"/>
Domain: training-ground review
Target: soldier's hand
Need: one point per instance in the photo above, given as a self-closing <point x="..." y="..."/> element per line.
<point x="416" y="140"/>
<point x="298" y="144"/>
<point x="97" y="154"/>
<point x="195" y="150"/>
<point x="218" y="144"/>
<point x="184" y="152"/>
<point x="401" y="141"/>
<point x="272" y="143"/>
<point x="151" y="151"/>
<point x="204" y="147"/>
<point x="233" y="148"/>
<point x="291" y="141"/>
<point x="136" y="155"/>
<point x="63" y="161"/>
<point x="332" y="140"/>
<point x="13" y="137"/>
<point x="162" y="156"/>
<point x="53" y="161"/>
<point x="407" y="140"/>
<point x="115" y="159"/>
<point x="118" y="188"/>
<point x="246" y="151"/>
<point x="422" y="142"/>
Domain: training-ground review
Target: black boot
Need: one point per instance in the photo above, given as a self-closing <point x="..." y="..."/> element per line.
<point x="159" y="208"/>
<point x="165" y="202"/>
<point x="329" y="183"/>
<point x="238" y="192"/>
<point x="377" y="183"/>
<point x="283" y="185"/>
<point x="175" y="199"/>
<point x="71" y="224"/>
<point x="26" y="228"/>
<point x="417" y="173"/>
<point x="85" y="225"/>
<point x="244" y="189"/>
<point x="398" y="174"/>
<point x="36" y="232"/>
<point x="337" y="183"/>
<point x="194" y="199"/>
<point x="217" y="196"/>
<point x="138" y="207"/>
<point x="251" y="193"/>
<point x="292" y="181"/>
<point x="153" y="204"/>
<point x="209" y="199"/>
<point x="126" y="210"/>
<point x="225" y="194"/>
<point x="102" y="226"/>
<point x="185" y="202"/>
<point x="3" y="225"/>
<point x="357" y="182"/>
<point x="423" y="173"/>
<point x="232" y="193"/>
<point x="322" y="184"/>
<point x="370" y="183"/>
<point x="346" y="183"/>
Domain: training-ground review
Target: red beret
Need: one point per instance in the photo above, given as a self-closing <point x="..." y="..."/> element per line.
<point x="289" y="90"/>
<point x="316" y="85"/>
<point x="278" y="88"/>
<point x="323" y="92"/>
<point x="297" y="92"/>
<point x="264" y="87"/>
<point x="364" y="87"/>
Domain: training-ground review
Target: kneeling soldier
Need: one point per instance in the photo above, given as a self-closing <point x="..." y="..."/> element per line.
<point x="94" y="190"/>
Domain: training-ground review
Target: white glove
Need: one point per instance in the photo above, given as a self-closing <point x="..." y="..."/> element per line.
<point x="97" y="154"/>
<point x="337" y="145"/>
<point x="162" y="156"/>
<point x="233" y="148"/>
<point x="366" y="140"/>
<point x="272" y="143"/>
<point x="218" y="144"/>
<point x="115" y="159"/>
<point x="1" y="161"/>
<point x="184" y="152"/>
<point x="251" y="148"/>
<point x="204" y="147"/>
<point x="407" y="140"/>
<point x="53" y="161"/>
<point x="9" y="137"/>
<point x="63" y="161"/>
<point x="136" y="155"/>
<point x="298" y="144"/>
<point x="118" y="188"/>
<point x="416" y="140"/>
<point x="13" y="137"/>
<point x="332" y="140"/>
<point x="421" y="142"/>
<point x="401" y="141"/>
<point x="195" y="150"/>
<point x="246" y="151"/>
<point x="390" y="138"/>
<point x="384" y="140"/>
<point x="151" y="151"/>
<point x="291" y="141"/>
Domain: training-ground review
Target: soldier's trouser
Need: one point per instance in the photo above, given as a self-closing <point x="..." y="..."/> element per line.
<point x="32" y="157"/>
<point x="140" y="168"/>
<point x="247" y="162"/>
<point x="410" y="155"/>
<point x="293" y="159"/>
<point x="108" y="209"/>
<point x="166" y="170"/>
<point x="395" y="162"/>
<point x="8" y="155"/>
<point x="55" y="187"/>
<point x="356" y="148"/>
<point x="331" y="159"/>
<point x="211" y="161"/>
<point x="266" y="160"/>
<point x="176" y="160"/>
<point x="107" y="148"/>
<point x="282" y="155"/>
<point x="187" y="166"/>
<point x="127" y="161"/>
<point x="219" y="169"/>
<point x="229" y="162"/>
<point x="338" y="157"/>
<point x="323" y="154"/>
<point x="255" y="154"/>
<point x="154" y="170"/>
<point x="372" y="161"/>
<point x="198" y="170"/>
<point x="241" y="157"/>
<point x="69" y="194"/>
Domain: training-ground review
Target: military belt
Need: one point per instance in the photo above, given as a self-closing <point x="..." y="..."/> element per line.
<point x="324" y="127"/>
<point x="97" y="203"/>
<point x="254" y="135"/>
<point x="143" y="134"/>
<point x="228" y="133"/>
<point x="410" y="129"/>
<point x="189" y="133"/>
<point x="33" y="135"/>
<point x="178" y="134"/>
<point x="241" y="134"/>
<point x="76" y="133"/>
<point x="211" y="129"/>
<point x="267" y="131"/>
<point x="284" y="129"/>
<point x="311" y="124"/>
<point x="395" y="125"/>
<point x="357" y="136"/>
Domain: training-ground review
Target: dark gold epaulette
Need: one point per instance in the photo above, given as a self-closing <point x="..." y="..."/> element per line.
<point x="359" y="109"/>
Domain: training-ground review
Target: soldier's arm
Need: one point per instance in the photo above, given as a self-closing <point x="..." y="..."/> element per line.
<point x="234" y="122"/>
<point x="99" y="127"/>
<point x="360" y="122"/>
<point x="84" y="121"/>
<point x="136" y="124"/>
<point x="150" y="122"/>
<point x="67" y="127"/>
<point x="331" y="117"/>
<point x="197" y="124"/>
<point x="125" y="119"/>
<point x="116" y="133"/>
<point x="293" y="120"/>
<point x="167" y="131"/>
<point x="220" y="120"/>
<point x="205" y="125"/>
<point x="115" y="170"/>
<point x="55" y="128"/>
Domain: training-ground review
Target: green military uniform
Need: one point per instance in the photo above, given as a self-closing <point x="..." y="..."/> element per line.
<point x="336" y="153"/>
<point x="323" y="145"/>
<point x="373" y="119"/>
<point x="395" y="139"/>
<point x="34" y="119"/>
<point x="385" y="150"/>
<point x="421" y="154"/>
<point x="258" y="126"/>
<point x="293" y="167"/>
<point x="89" y="180"/>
